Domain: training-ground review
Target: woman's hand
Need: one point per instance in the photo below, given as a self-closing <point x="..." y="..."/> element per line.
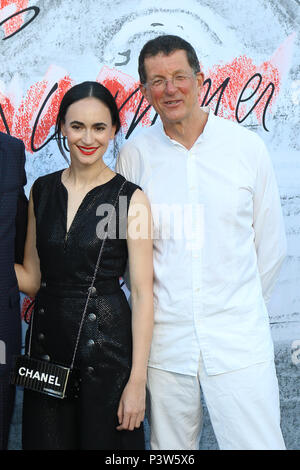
<point x="131" y="411"/>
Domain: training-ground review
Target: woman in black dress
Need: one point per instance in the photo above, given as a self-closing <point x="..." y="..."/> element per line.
<point x="68" y="217"/>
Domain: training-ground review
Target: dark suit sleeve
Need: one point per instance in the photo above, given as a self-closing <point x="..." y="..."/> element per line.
<point x="22" y="213"/>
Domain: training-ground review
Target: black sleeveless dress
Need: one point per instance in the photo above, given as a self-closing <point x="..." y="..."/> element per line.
<point x="67" y="261"/>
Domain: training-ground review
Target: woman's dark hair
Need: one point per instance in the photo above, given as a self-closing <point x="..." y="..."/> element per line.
<point x="166" y="44"/>
<point x="79" y="92"/>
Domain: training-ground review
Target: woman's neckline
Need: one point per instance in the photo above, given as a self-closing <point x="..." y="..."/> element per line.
<point x="97" y="186"/>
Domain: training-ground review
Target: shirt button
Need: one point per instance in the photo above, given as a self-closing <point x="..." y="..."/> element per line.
<point x="41" y="336"/>
<point x="92" y="290"/>
<point x="46" y="357"/>
<point x="90" y="342"/>
<point x="41" y="311"/>
<point x="90" y="370"/>
<point x="92" y="317"/>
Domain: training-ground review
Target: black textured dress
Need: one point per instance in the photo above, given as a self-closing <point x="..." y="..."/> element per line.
<point x="67" y="261"/>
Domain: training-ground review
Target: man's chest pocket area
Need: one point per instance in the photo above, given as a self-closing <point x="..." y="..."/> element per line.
<point x="8" y="203"/>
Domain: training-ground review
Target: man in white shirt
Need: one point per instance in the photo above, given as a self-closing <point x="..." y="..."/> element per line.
<point x="217" y="255"/>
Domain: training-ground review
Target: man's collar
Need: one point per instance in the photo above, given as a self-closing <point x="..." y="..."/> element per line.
<point x="206" y="131"/>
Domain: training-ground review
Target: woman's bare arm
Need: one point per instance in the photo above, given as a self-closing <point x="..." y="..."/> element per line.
<point x="140" y="253"/>
<point x="28" y="274"/>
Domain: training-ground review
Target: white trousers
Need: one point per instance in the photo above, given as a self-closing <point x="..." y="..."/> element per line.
<point x="243" y="406"/>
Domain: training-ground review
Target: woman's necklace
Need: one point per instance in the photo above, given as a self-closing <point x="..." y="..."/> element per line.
<point x="68" y="173"/>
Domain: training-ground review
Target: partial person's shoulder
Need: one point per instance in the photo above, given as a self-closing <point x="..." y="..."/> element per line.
<point x="244" y="142"/>
<point x="134" y="158"/>
<point x="129" y="187"/>
<point x="233" y="130"/>
<point x="9" y="140"/>
<point x="47" y="180"/>
<point x="142" y="137"/>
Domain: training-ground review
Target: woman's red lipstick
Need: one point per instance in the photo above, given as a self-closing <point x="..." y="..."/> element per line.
<point x="87" y="150"/>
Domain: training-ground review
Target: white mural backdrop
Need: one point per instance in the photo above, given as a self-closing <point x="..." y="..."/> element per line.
<point x="249" y="52"/>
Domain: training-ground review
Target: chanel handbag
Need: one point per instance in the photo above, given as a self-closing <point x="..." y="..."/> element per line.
<point x="46" y="377"/>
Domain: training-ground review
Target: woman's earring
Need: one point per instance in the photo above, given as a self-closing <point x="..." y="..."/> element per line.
<point x="64" y="143"/>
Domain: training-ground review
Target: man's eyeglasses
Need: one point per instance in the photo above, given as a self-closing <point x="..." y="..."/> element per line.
<point x="178" y="81"/>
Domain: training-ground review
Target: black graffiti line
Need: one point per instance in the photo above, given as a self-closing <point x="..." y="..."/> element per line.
<point x="36" y="12"/>
<point x="267" y="104"/>
<point x="4" y="120"/>
<point x="223" y="86"/>
<point x="126" y="54"/>
<point x="135" y="122"/>
<point x="240" y="100"/>
<point x="128" y="98"/>
<point x="154" y="119"/>
<point x="53" y="89"/>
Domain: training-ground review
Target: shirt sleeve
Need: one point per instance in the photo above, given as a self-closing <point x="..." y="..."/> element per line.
<point x="130" y="164"/>
<point x="123" y="164"/>
<point x="270" y="238"/>
<point x="21" y="215"/>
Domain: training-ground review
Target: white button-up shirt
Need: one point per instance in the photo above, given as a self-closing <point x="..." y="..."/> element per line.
<point x="219" y="242"/>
